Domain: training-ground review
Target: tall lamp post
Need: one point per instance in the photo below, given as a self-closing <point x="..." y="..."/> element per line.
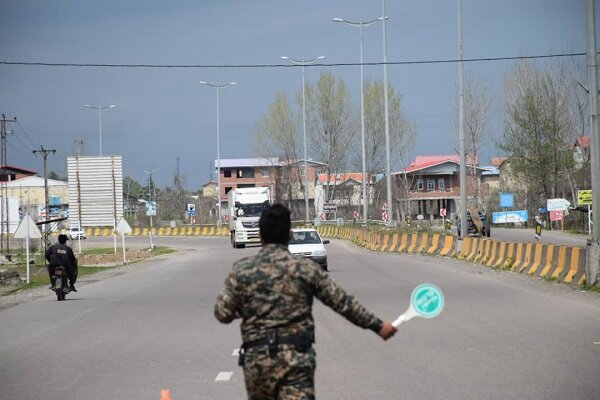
<point x="304" y="63"/>
<point x="388" y="172"/>
<point x="100" y="109"/>
<point x="360" y="25"/>
<point x="218" y="87"/>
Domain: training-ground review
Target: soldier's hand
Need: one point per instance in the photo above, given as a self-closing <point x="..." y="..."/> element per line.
<point x="387" y="330"/>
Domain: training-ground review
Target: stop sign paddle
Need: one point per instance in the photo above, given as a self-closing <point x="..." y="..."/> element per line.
<point x="426" y="301"/>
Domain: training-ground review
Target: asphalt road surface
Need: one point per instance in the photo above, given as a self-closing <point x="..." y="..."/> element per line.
<point x="127" y="336"/>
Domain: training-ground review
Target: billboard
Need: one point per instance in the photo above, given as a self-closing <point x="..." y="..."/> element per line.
<point x="95" y="190"/>
<point x="503" y="217"/>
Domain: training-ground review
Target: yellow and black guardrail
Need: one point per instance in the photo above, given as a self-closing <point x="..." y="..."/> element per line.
<point x="206" y="230"/>
<point x="552" y="262"/>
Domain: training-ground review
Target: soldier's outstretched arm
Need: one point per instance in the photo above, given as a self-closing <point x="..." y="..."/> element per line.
<point x="226" y="307"/>
<point x="345" y="304"/>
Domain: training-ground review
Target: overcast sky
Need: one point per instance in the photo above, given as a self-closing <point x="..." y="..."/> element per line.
<point x="164" y="113"/>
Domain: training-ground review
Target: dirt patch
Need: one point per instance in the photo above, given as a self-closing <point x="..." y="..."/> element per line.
<point x="132" y="255"/>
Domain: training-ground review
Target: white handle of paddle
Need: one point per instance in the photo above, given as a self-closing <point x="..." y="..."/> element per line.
<point x="406" y="316"/>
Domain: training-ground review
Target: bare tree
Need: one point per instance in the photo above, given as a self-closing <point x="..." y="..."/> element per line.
<point x="277" y="135"/>
<point x="402" y="133"/>
<point x="477" y="105"/>
<point x="330" y="128"/>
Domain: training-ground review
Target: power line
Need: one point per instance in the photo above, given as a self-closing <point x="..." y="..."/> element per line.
<point x="414" y="62"/>
<point x="25" y="133"/>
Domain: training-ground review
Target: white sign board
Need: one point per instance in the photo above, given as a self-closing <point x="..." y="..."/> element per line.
<point x="558" y="204"/>
<point x="123" y="227"/>
<point x="28" y="229"/>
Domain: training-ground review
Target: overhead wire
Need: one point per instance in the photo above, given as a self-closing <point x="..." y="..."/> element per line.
<point x="414" y="62"/>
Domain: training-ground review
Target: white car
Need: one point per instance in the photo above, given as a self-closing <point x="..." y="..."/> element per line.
<point x="77" y="233"/>
<point x="308" y="243"/>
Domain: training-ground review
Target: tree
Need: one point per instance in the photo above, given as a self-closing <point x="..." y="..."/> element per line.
<point x="277" y="135"/>
<point x="132" y="187"/>
<point x="330" y="124"/>
<point x="537" y="128"/>
<point x="477" y="104"/>
<point x="402" y="136"/>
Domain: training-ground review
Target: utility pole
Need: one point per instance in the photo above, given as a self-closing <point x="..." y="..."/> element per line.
<point x="45" y="152"/>
<point x="4" y="215"/>
<point x="593" y="248"/>
<point x="461" y="132"/>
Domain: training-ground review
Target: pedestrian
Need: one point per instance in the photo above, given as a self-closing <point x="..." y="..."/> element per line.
<point x="60" y="254"/>
<point x="272" y="292"/>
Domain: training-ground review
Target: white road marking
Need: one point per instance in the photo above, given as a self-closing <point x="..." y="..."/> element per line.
<point x="224" y="376"/>
<point x="236" y="352"/>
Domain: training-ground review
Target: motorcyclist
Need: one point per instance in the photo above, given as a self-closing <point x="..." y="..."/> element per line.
<point x="62" y="255"/>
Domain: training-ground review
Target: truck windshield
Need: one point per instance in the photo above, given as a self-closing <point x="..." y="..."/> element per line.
<point x="249" y="210"/>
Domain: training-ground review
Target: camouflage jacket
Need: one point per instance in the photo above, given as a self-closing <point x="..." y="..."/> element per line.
<point x="275" y="290"/>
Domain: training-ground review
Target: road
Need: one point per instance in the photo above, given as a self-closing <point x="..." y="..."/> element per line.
<point x="501" y="335"/>
<point x="547" y="237"/>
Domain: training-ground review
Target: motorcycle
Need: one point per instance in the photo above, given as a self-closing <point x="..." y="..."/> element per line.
<point x="61" y="286"/>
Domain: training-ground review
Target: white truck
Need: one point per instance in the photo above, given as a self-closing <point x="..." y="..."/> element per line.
<point x="245" y="206"/>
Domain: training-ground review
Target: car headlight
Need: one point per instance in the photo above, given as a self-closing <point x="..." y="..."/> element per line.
<point x="319" y="253"/>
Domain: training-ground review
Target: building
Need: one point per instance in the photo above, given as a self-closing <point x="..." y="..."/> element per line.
<point x="432" y="183"/>
<point x="10" y="173"/>
<point x="30" y="191"/>
<point x="344" y="189"/>
<point x="284" y="178"/>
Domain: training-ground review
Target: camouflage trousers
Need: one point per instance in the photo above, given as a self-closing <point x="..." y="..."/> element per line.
<point x="288" y="375"/>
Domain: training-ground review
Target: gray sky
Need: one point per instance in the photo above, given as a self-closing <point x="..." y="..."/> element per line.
<point x="164" y="113"/>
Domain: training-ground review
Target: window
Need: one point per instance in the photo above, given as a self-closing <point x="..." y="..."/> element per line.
<point x="302" y="171"/>
<point x="420" y="184"/>
<point x="227" y="173"/>
<point x="265" y="172"/>
<point x="441" y="184"/>
<point x="228" y="189"/>
<point x="430" y="185"/>
<point x="245" y="173"/>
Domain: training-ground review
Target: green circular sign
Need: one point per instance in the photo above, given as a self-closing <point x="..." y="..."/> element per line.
<point x="427" y="300"/>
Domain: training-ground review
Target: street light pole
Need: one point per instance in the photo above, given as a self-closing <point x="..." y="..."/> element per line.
<point x="218" y="87"/>
<point x="360" y="25"/>
<point x="100" y="109"/>
<point x="388" y="172"/>
<point x="304" y="63"/>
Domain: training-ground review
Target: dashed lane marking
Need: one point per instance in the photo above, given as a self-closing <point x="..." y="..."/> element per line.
<point x="224" y="376"/>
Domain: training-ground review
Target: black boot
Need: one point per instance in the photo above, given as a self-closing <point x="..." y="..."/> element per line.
<point x="72" y="288"/>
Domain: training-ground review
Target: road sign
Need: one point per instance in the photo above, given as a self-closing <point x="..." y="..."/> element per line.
<point x="584" y="197"/>
<point x="28" y="229"/>
<point x="443" y="212"/>
<point x="151" y="208"/>
<point x="507" y="200"/>
<point x="356" y="214"/>
<point x="123" y="227"/>
<point x="191" y="209"/>
<point x="384" y="206"/>
<point x="556" y="215"/>
<point x="384" y="216"/>
<point x="426" y="301"/>
<point x="557" y="204"/>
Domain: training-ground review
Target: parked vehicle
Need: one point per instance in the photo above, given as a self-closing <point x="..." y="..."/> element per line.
<point x="245" y="206"/>
<point x="77" y="233"/>
<point x="308" y="243"/>
<point x="60" y="280"/>
<point x="479" y="228"/>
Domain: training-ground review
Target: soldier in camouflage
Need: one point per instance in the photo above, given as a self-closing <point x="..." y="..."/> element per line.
<point x="272" y="292"/>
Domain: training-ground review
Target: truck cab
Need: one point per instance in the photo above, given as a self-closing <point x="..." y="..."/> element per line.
<point x="245" y="207"/>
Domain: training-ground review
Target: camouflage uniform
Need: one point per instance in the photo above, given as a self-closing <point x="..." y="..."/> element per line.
<point x="274" y="290"/>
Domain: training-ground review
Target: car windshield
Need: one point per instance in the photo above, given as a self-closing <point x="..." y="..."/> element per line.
<point x="249" y="210"/>
<point x="305" y="237"/>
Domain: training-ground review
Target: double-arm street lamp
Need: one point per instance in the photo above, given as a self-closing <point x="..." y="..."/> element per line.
<point x="218" y="87"/>
<point x="360" y="24"/>
<point x="304" y="63"/>
<point x="100" y="109"/>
